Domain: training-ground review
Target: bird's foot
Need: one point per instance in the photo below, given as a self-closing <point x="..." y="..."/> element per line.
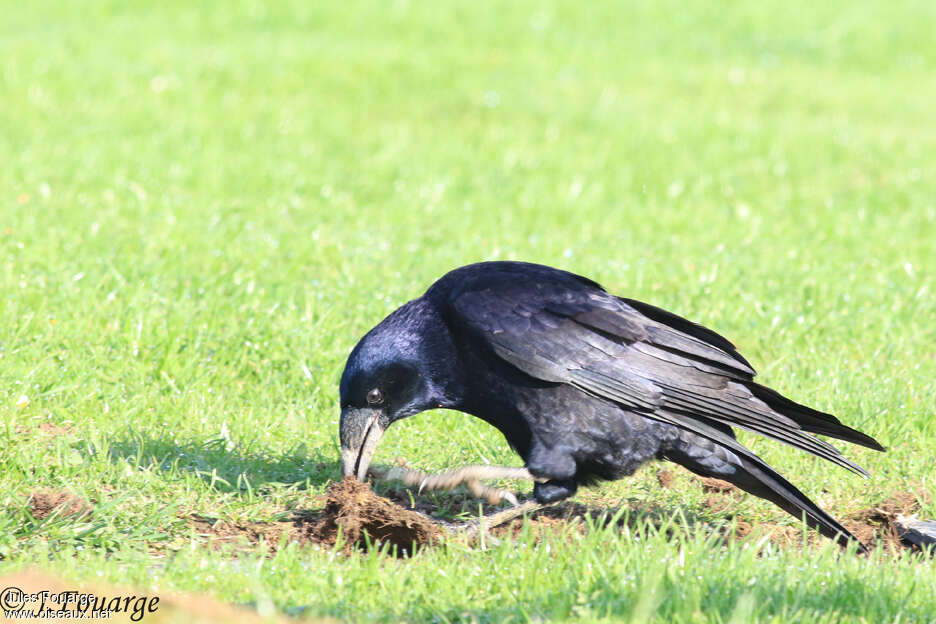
<point x="554" y="490"/>
<point x="469" y="476"/>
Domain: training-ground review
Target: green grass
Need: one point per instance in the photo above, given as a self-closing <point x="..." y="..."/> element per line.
<point x="204" y="205"/>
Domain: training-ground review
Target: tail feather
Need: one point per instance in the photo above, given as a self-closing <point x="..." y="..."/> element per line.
<point x="812" y="420"/>
<point x="718" y="454"/>
<point x="759" y="479"/>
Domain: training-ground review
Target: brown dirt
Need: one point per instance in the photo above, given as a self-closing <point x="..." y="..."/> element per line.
<point x="710" y="484"/>
<point x="785" y="536"/>
<point x="575" y="518"/>
<point x="874" y="526"/>
<point x="42" y="503"/>
<point x="719" y="503"/>
<point x="879" y="521"/>
<point x="350" y="506"/>
<point x="362" y="516"/>
<point x="55" y="430"/>
<point x="665" y="478"/>
<point x="359" y="514"/>
<point x="220" y="533"/>
<point x="549" y="519"/>
<point x="722" y="495"/>
<point x="45" y="428"/>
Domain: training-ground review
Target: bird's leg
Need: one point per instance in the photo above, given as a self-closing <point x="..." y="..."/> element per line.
<point x="490" y="521"/>
<point x="469" y="476"/>
<point x="554" y="490"/>
<point x="555" y="470"/>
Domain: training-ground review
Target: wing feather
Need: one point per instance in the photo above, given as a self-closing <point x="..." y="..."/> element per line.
<point x="638" y="356"/>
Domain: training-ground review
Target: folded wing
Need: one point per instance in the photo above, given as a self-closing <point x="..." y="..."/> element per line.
<point x="643" y="358"/>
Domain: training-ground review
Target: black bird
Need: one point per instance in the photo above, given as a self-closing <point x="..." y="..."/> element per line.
<point x="583" y="384"/>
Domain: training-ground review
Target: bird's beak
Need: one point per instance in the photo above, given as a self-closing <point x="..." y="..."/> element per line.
<point x="361" y="429"/>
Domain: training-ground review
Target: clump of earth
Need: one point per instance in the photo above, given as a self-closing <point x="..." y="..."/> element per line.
<point x="43" y="503"/>
<point x="365" y="519"/>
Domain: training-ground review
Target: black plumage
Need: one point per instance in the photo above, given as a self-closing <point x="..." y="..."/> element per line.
<point x="584" y="385"/>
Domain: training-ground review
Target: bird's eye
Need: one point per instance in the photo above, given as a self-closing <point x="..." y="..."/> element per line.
<point x="375" y="397"/>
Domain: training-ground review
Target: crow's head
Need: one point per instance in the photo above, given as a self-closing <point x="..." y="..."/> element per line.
<point x="403" y="366"/>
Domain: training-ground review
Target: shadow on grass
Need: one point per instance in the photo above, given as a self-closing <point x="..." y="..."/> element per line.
<point x="224" y="465"/>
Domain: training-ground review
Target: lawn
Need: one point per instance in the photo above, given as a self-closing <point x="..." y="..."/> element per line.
<point x="204" y="205"/>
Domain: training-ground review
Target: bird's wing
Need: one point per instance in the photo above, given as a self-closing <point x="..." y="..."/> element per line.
<point x="640" y="357"/>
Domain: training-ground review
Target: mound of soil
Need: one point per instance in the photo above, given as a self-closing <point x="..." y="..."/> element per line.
<point x="361" y="515"/>
<point x="43" y="502"/>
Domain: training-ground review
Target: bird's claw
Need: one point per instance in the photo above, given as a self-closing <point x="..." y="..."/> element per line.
<point x="509" y="497"/>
